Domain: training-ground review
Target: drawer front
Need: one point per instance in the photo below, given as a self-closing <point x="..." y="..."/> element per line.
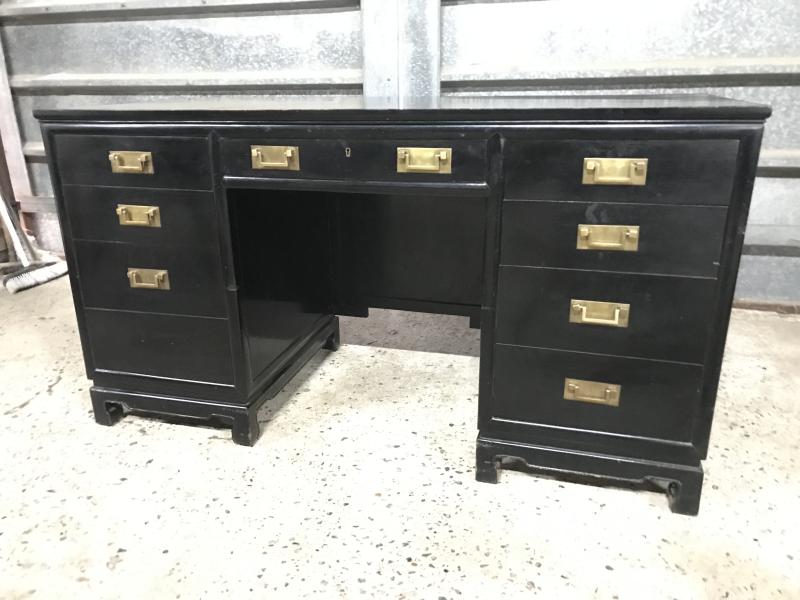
<point x="181" y="217"/>
<point x="168" y="346"/>
<point x="678" y="171"/>
<point x="175" y="162"/>
<point x="654" y="399"/>
<point x="668" y="318"/>
<point x="675" y="240"/>
<point x="311" y="158"/>
<point x="194" y="277"/>
<point x="367" y="160"/>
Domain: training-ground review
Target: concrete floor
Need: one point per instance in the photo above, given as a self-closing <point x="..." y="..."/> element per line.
<point x="362" y="485"/>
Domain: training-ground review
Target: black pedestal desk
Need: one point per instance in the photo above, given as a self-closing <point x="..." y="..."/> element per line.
<point x="594" y="240"/>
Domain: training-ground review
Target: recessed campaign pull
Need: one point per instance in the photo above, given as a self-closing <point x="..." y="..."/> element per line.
<point x="593" y="392"/>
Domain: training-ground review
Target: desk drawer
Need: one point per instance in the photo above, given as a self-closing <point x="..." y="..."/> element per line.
<point x="173" y="162"/>
<point x="678" y="171"/>
<point x="180" y="217"/>
<point x="668" y="318"/>
<point x="364" y="160"/>
<point x="194" y="278"/>
<point x="676" y="240"/>
<point x="186" y="348"/>
<point x="654" y="399"/>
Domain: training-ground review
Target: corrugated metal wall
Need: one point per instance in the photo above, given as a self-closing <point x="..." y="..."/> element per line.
<point x="746" y="49"/>
<point x="77" y="53"/>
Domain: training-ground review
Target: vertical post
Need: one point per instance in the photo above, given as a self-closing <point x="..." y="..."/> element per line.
<point x="12" y="141"/>
<point x="401" y="49"/>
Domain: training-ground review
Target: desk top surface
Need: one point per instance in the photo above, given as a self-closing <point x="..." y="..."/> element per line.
<point x="452" y="108"/>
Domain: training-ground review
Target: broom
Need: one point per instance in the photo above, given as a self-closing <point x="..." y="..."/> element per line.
<point x="34" y="271"/>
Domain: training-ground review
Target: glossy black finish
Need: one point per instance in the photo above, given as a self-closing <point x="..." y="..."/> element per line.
<point x="668" y="317"/>
<point x="195" y="277"/>
<point x="673" y="240"/>
<point x="469" y="109"/>
<point x="423" y="249"/>
<point x="656" y="401"/>
<point x="269" y="257"/>
<point x="178" y="162"/>
<point x="680" y="171"/>
<point x="158" y="345"/>
<point x="368" y="159"/>
<point x="283" y="259"/>
<point x="187" y="218"/>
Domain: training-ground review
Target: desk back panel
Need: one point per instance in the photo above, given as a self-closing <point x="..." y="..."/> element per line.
<point x="419" y="251"/>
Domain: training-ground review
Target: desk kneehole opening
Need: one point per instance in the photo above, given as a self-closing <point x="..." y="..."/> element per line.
<point x="592" y="392"/>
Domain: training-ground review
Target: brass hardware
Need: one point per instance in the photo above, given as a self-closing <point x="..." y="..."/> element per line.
<point x="149" y="279"/>
<point x="624" y="238"/>
<point x="138" y="216"/>
<point x="594" y="392"/>
<point x="283" y="158"/>
<point x="614" y="171"/>
<point x="425" y="160"/>
<point x="610" y="314"/>
<point x="123" y="161"/>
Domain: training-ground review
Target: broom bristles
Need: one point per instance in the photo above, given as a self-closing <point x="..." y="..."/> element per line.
<point x="33" y="276"/>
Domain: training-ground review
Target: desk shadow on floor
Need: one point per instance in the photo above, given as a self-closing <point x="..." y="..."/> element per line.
<point x="421" y="332"/>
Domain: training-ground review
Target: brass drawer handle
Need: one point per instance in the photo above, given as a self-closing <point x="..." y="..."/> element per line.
<point x="284" y="158"/>
<point x="624" y="238"/>
<point x="424" y="160"/>
<point x="609" y="314"/>
<point x="149" y="279"/>
<point x="593" y="392"/>
<point x="614" y="171"/>
<point x="123" y="161"/>
<point x="136" y="215"/>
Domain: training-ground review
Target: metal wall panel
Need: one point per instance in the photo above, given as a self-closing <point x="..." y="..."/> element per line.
<point x="71" y="54"/>
<point x="559" y="38"/>
<point x="757" y="282"/>
<point x="781" y="146"/>
<point x="75" y="53"/>
<point x="745" y="49"/>
<point x="775" y="196"/>
<point x="325" y="44"/>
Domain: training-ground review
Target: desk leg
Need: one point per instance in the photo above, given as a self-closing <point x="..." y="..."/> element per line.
<point x="332" y="343"/>
<point x="486" y="464"/>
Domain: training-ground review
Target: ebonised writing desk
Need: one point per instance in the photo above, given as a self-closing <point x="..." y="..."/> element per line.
<point x="594" y="240"/>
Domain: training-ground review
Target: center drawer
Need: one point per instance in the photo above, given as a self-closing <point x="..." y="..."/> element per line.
<point x="435" y="161"/>
<point x="191" y="281"/>
<point x="659" y="317"/>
